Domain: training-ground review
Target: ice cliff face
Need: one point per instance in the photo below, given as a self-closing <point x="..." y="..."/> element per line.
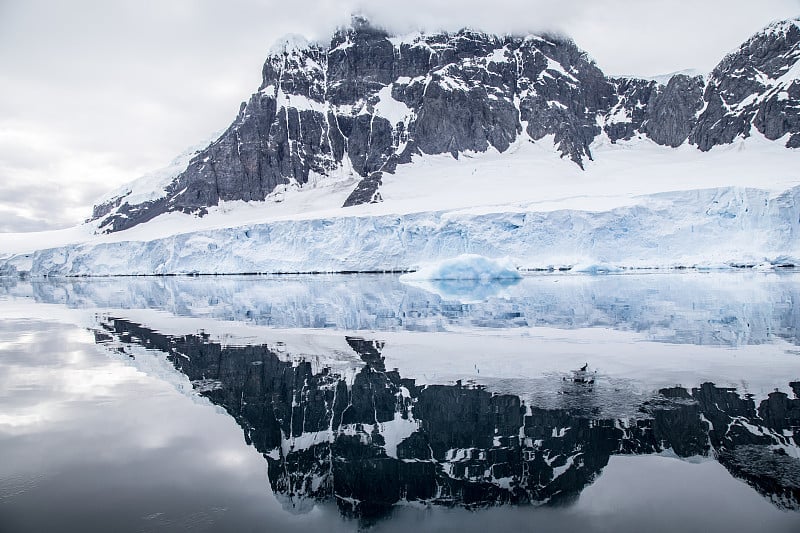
<point x="704" y="228"/>
<point x="367" y="102"/>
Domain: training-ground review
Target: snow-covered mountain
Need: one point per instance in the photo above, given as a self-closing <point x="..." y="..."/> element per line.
<point x="368" y="102"/>
<point x="375" y="152"/>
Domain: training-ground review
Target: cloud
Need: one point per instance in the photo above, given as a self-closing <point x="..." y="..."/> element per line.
<point x="45" y="182"/>
<point x="97" y="92"/>
<point x="644" y="37"/>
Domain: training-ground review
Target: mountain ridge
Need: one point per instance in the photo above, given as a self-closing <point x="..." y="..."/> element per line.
<point x="368" y="102"/>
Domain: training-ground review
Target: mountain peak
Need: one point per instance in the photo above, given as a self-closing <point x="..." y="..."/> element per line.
<point x="757" y="85"/>
<point x="663" y="79"/>
<point x="359" y="21"/>
<point x="366" y="102"/>
<point x="781" y="26"/>
<point x="360" y="24"/>
<point x="288" y="44"/>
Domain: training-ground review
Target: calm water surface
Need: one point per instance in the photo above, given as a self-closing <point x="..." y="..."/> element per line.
<point x="340" y="403"/>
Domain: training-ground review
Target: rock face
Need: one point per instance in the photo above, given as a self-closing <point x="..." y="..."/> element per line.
<point x="375" y="439"/>
<point x="672" y="110"/>
<point x="665" y="113"/>
<point x="366" y="102"/>
<point x="758" y="85"/>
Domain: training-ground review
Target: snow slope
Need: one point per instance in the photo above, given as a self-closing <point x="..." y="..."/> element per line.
<point x="153" y="184"/>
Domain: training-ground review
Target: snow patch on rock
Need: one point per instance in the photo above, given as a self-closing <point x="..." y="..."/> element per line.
<point x="289" y="44"/>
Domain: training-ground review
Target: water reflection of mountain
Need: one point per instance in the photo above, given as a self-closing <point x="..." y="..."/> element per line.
<point x="375" y="439"/>
<point x="732" y="309"/>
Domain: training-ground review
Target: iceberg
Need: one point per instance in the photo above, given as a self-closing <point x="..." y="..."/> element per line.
<point x="468" y="278"/>
<point x="595" y="268"/>
<point x="466" y="267"/>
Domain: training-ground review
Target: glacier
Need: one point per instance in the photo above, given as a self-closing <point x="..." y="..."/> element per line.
<point x="709" y="228"/>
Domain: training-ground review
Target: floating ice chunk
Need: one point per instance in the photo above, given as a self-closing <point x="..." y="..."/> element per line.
<point x="466" y="267"/>
<point x="467" y="278"/>
<point x="595" y="268"/>
<point x="712" y="266"/>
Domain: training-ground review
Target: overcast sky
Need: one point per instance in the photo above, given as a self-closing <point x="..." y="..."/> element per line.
<point x="94" y="93"/>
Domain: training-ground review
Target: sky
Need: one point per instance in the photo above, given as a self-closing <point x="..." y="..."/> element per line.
<point x="95" y="93"/>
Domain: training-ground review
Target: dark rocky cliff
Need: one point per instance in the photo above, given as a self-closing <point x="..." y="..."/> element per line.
<point x="367" y="101"/>
<point x="758" y="85"/>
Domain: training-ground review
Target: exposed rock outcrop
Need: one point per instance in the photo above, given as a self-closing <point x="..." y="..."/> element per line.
<point x="757" y="85"/>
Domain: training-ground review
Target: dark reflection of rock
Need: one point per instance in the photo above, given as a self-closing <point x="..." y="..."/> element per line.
<point x="374" y="439"/>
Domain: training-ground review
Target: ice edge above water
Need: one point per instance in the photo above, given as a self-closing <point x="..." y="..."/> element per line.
<point x="710" y="228"/>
